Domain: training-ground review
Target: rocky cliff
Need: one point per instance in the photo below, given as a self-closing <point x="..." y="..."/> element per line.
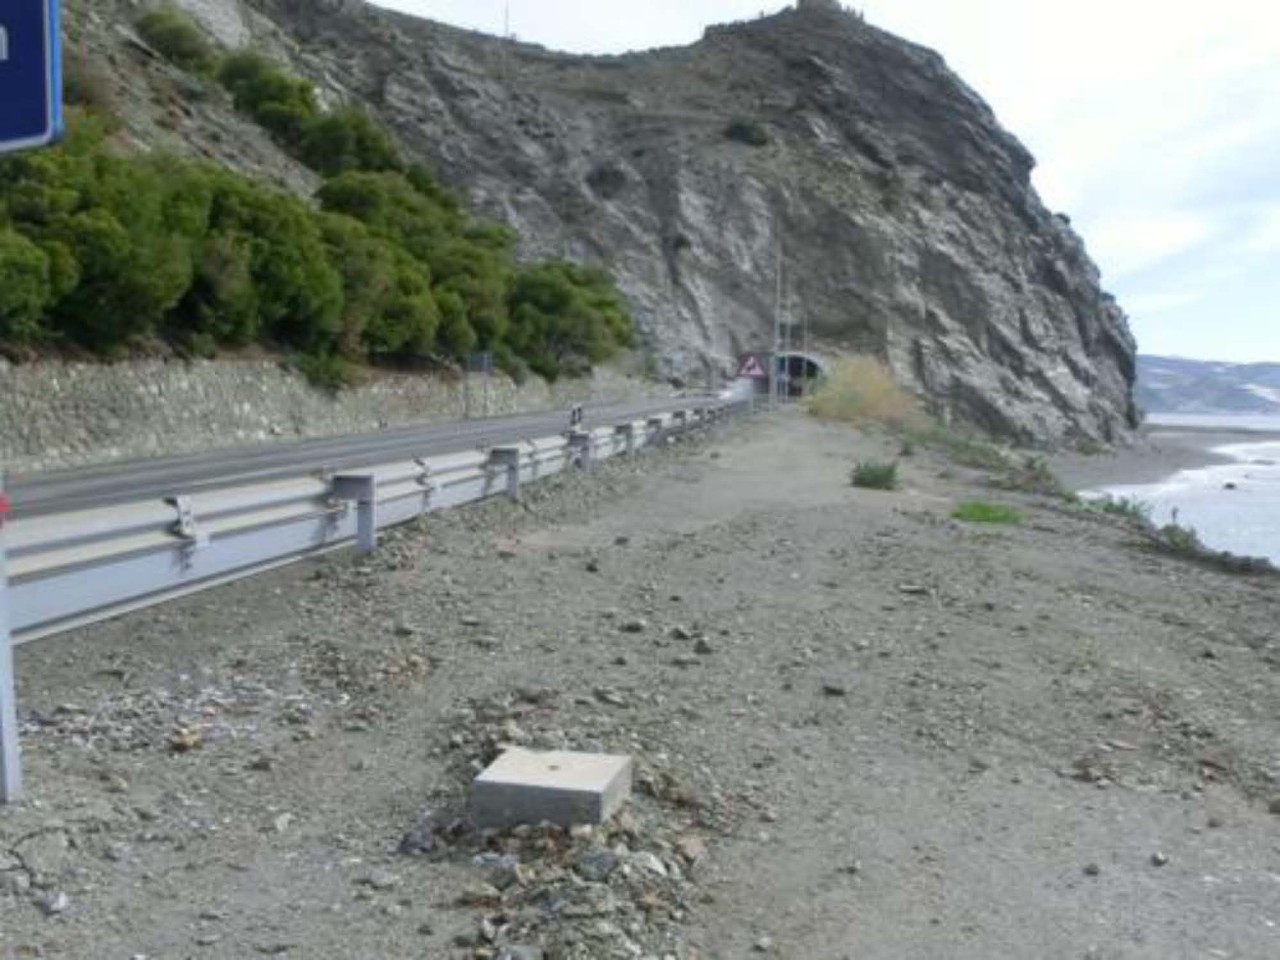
<point x="904" y="213"/>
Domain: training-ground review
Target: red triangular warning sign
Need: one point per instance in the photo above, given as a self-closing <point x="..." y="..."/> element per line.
<point x="752" y="367"/>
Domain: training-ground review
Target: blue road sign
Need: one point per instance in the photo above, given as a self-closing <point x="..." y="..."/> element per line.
<point x="30" y="74"/>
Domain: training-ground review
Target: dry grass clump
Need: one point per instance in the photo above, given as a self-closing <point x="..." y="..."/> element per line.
<point x="860" y="390"/>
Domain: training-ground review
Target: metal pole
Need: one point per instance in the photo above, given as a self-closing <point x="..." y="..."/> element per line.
<point x="804" y="384"/>
<point x="10" y="758"/>
<point x="777" y="325"/>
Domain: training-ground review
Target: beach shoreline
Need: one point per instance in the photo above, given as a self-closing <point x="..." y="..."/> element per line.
<point x="1160" y="452"/>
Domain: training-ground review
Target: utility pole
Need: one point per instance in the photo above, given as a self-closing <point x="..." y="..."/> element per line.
<point x="777" y="324"/>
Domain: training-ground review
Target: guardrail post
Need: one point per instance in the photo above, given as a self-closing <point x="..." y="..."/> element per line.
<point x="680" y="418"/>
<point x="362" y="489"/>
<point x="508" y="459"/>
<point x="628" y="433"/>
<point x="582" y="444"/>
<point x="10" y="759"/>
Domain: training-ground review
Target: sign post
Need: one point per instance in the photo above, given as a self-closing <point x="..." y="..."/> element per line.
<point x="30" y="117"/>
<point x="10" y="764"/>
<point x="30" y="74"/>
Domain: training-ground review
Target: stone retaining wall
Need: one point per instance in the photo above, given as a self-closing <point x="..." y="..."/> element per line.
<point x="55" y="415"/>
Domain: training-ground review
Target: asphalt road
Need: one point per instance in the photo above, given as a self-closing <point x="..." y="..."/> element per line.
<point x="62" y="491"/>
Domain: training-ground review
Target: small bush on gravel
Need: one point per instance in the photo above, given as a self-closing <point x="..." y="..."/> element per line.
<point x="1131" y="508"/>
<point x="876" y="475"/>
<point x="978" y="511"/>
<point x="1032" y="475"/>
<point x="751" y="132"/>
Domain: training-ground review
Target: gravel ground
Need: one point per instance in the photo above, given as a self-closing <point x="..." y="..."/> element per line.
<point x="863" y="730"/>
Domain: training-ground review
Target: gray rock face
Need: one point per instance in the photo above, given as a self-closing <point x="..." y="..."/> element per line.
<point x="905" y="214"/>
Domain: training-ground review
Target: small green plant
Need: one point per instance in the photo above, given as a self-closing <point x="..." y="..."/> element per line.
<point x="1131" y="508"/>
<point x="1033" y="475"/>
<point x="876" y="475"/>
<point x="962" y="449"/>
<point x="979" y="511"/>
<point x="1182" y="540"/>
<point x="751" y="132"/>
<point x="178" y="39"/>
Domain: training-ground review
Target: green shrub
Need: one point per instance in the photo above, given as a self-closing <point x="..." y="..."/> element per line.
<point x="109" y="252"/>
<point x="751" y="132"/>
<point x="346" y="140"/>
<point x="978" y="511"/>
<point x="1181" y="540"/>
<point x="328" y="371"/>
<point x="861" y="390"/>
<point x="565" y="317"/>
<point x="178" y="39"/>
<point x="25" y="288"/>
<point x="1032" y="475"/>
<point x="876" y="475"/>
<point x="1131" y="508"/>
<point x="284" y="105"/>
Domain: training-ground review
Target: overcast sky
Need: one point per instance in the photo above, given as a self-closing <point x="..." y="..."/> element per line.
<point x="1156" y="124"/>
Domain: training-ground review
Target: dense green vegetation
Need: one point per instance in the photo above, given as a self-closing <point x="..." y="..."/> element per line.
<point x="107" y="252"/>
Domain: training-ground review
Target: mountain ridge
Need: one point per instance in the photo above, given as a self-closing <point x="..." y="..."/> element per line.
<point x="906" y="216"/>
<point x="1183" y="385"/>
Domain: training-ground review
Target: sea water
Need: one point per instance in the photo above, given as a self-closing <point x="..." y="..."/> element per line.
<point x="1232" y="506"/>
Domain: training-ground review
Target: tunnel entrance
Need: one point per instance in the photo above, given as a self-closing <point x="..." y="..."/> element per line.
<point x="796" y="375"/>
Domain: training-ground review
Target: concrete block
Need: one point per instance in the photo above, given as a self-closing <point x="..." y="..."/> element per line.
<point x="525" y="786"/>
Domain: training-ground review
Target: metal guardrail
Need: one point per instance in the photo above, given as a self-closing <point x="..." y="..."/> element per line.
<point x="70" y="569"/>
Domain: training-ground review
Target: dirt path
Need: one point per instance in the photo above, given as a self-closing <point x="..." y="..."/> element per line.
<point x="864" y="730"/>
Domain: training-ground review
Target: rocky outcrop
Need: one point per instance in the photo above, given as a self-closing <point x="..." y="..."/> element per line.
<point x="902" y="213"/>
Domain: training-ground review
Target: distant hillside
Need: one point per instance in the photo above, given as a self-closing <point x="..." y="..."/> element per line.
<point x="1175" y="385"/>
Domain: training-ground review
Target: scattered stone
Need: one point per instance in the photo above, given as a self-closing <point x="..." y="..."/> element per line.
<point x="596" y="864"/>
<point x="1159" y="859"/>
<point x="283" y="822"/>
<point x="621" y="541"/>
<point x="638" y="625"/>
<point x="610" y="697"/>
<point x="262" y="764"/>
<point x="470" y="621"/>
<point x="53" y="903"/>
<point x="763" y="945"/>
<point x="913" y="589"/>
<point x="430" y="834"/>
<point x="593" y="565"/>
<point x="184" y="740"/>
<point x="693" y="849"/>
<point x="703" y="647"/>
<point x="517" y="952"/>
<point x="649" y="863"/>
<point x="379" y="879"/>
<point x="1216" y="823"/>
<point x="835" y="688"/>
<point x="1092" y="870"/>
<point x="483" y="895"/>
<point x="681" y="633"/>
